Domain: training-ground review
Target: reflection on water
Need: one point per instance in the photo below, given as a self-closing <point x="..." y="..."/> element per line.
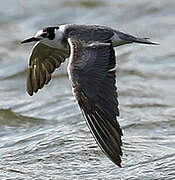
<point x="45" y="136"/>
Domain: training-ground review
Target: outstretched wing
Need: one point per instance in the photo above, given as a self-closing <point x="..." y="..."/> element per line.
<point x="92" y="73"/>
<point x="42" y="63"/>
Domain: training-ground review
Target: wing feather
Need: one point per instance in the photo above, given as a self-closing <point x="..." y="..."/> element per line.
<point x="43" y="62"/>
<point x="29" y="81"/>
<point x="94" y="88"/>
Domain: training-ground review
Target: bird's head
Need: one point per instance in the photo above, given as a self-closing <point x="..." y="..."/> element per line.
<point x="51" y="36"/>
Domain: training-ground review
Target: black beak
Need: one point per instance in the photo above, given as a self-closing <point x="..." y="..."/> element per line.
<point x="33" y="39"/>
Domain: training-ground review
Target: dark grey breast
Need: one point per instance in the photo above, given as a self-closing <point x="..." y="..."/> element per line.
<point x="42" y="63"/>
<point x="93" y="78"/>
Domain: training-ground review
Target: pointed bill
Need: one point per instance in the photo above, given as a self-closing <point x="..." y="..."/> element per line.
<point x="32" y="39"/>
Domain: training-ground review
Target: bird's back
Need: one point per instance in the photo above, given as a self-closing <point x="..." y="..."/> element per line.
<point x="89" y="33"/>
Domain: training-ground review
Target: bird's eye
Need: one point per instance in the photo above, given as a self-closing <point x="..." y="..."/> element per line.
<point x="44" y="35"/>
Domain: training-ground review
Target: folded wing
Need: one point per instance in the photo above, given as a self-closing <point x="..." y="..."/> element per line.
<point x="42" y="63"/>
<point x="93" y="79"/>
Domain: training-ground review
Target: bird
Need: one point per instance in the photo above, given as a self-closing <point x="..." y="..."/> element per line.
<point x="92" y="71"/>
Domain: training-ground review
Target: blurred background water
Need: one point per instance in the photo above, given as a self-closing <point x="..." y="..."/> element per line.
<point x="45" y="136"/>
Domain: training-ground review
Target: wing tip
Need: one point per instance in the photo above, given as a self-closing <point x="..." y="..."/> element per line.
<point x="119" y="165"/>
<point x="30" y="93"/>
<point x="112" y="151"/>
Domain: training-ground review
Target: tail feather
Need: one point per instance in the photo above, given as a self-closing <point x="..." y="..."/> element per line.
<point x="144" y="41"/>
<point x="127" y="38"/>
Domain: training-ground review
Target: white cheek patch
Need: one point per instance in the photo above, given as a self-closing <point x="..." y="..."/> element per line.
<point x="38" y="33"/>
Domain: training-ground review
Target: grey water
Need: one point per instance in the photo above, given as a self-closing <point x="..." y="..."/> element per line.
<point x="45" y="136"/>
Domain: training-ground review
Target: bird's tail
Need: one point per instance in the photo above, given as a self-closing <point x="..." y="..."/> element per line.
<point x="127" y="38"/>
<point x="144" y="41"/>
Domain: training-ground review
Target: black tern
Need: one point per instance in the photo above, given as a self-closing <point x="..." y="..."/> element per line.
<point x="92" y="72"/>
